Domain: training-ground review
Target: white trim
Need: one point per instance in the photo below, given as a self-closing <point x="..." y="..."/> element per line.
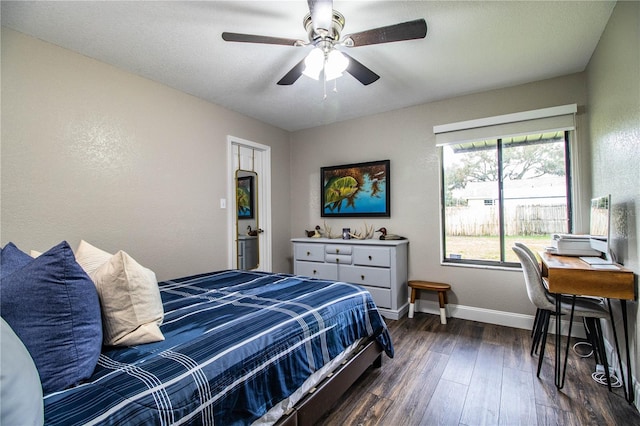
<point x="264" y="202"/>
<point x="395" y="315"/>
<point x="490" y="316"/>
<point x="231" y="226"/>
<point x="612" y="358"/>
<point x="510" y="319"/>
<point x="507" y="118"/>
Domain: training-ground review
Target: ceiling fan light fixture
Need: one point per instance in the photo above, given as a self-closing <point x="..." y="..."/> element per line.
<point x="336" y="64"/>
<point x="324" y="27"/>
<point x="314" y="63"/>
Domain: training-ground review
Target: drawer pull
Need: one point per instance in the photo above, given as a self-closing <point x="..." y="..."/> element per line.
<point x="362" y="277"/>
<point x="308" y="253"/>
<point x="315" y="272"/>
<point x="337" y="260"/>
<point x="337" y="251"/>
<point x="370" y="258"/>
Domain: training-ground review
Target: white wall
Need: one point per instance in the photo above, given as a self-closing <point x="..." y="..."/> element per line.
<point x="92" y="152"/>
<point x="406" y="138"/>
<point x="614" y="125"/>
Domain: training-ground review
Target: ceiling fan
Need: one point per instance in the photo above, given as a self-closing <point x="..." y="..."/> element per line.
<point x="323" y="26"/>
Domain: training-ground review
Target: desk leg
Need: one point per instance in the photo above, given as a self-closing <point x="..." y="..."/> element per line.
<point x="615" y="338"/>
<point x="623" y="306"/>
<point x="558" y="340"/>
<point x="603" y="352"/>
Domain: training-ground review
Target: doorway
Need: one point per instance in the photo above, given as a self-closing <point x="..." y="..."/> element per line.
<point x="249" y="216"/>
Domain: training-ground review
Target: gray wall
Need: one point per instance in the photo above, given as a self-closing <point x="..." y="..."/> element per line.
<point x="608" y="156"/>
<point x="614" y="125"/>
<point x="406" y="138"/>
<point x="92" y="152"/>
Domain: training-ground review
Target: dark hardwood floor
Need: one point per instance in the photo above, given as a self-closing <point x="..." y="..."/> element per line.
<point x="471" y="373"/>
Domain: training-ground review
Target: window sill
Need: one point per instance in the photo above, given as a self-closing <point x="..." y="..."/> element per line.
<point x="477" y="266"/>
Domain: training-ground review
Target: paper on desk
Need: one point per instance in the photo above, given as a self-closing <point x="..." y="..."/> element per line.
<point x="597" y="266"/>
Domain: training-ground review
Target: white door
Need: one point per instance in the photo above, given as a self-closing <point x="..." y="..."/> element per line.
<point x="247" y="157"/>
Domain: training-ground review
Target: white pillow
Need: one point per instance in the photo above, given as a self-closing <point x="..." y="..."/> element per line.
<point x="90" y="257"/>
<point x="20" y="388"/>
<point x="35" y="253"/>
<point x="130" y="301"/>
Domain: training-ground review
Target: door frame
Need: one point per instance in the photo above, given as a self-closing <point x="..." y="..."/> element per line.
<point x="263" y="168"/>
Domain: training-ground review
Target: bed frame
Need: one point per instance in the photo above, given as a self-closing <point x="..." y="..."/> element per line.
<point x="322" y="397"/>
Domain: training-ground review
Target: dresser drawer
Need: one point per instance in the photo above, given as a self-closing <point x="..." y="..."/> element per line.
<point x="376" y="277"/>
<point x="372" y="256"/>
<point x="325" y="271"/>
<point x="338" y="249"/>
<point x="310" y="252"/>
<point x="381" y="296"/>
<point x="342" y="259"/>
<point x="376" y="265"/>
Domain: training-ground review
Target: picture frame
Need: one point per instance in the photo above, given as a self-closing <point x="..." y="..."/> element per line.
<point x="244" y="197"/>
<point x="356" y="190"/>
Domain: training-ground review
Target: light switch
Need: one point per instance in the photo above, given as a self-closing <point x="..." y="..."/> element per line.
<point x="223" y="203"/>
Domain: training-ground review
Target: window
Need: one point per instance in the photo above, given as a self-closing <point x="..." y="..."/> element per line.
<point x="499" y="191"/>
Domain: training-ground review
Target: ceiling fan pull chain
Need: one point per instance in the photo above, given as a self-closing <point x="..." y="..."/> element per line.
<point x="324" y="87"/>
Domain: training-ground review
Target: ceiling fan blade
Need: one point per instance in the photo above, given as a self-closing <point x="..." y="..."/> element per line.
<point x="293" y="75"/>
<point x="250" y="38"/>
<point x="363" y="74"/>
<point x="404" y="31"/>
<point x="321" y="14"/>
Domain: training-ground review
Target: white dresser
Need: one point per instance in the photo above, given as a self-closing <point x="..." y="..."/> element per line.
<point x="378" y="265"/>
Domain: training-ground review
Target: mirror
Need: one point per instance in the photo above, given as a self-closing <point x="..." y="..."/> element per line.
<point x="247" y="229"/>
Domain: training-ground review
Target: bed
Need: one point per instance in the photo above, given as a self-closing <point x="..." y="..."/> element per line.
<point x="240" y="347"/>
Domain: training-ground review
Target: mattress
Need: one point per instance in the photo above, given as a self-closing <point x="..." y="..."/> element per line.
<point x="237" y="344"/>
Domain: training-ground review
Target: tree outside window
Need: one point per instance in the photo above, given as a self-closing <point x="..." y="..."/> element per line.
<point x="500" y="191"/>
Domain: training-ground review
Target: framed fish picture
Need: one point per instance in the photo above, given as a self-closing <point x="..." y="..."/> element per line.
<point x="356" y="190"/>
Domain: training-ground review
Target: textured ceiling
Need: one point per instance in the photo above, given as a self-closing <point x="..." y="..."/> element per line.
<point x="470" y="47"/>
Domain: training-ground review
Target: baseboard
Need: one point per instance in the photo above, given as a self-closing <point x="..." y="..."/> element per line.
<point x="510" y="319"/>
<point x="395" y="315"/>
<point x="613" y="359"/>
<point x="490" y="316"/>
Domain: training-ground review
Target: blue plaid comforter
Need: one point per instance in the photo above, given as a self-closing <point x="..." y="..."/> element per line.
<point x="236" y="343"/>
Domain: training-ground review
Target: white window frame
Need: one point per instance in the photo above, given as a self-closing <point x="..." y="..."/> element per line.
<point x="559" y="118"/>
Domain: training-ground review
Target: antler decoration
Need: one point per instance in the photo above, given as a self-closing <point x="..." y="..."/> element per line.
<point x="367" y="234"/>
<point x="327" y="231"/>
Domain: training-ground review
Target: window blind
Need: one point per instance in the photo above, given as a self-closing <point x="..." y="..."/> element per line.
<point x="544" y="120"/>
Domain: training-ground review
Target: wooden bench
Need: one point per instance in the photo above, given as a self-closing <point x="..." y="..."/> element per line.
<point x="441" y="288"/>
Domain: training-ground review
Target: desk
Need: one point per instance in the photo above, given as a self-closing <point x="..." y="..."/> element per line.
<point x="568" y="275"/>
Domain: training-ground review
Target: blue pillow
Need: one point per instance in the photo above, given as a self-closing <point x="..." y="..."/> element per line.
<point x="12" y="258"/>
<point x="53" y="307"/>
